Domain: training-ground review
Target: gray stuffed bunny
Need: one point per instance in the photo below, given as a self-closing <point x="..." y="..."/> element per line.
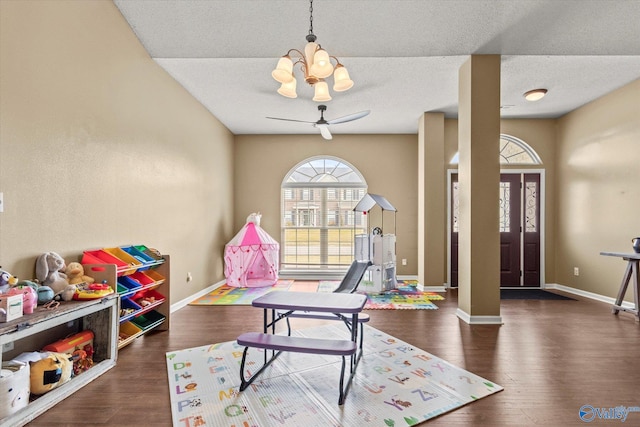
<point x="49" y="271"/>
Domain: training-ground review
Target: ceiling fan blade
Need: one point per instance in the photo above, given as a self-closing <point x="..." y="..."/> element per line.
<point x="350" y="117"/>
<point x="289" y="120"/>
<point x="324" y="131"/>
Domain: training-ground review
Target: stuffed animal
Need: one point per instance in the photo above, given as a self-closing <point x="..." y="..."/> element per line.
<point x="29" y="297"/>
<point x="6" y="280"/>
<point x="44" y="293"/>
<point x="75" y="274"/>
<point x="48" y="370"/>
<point x="50" y="271"/>
<point x="68" y="292"/>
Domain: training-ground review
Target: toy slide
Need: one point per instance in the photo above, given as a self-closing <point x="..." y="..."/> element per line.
<point x="354" y="276"/>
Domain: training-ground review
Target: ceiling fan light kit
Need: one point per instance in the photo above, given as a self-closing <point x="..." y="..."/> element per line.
<point x="316" y="65"/>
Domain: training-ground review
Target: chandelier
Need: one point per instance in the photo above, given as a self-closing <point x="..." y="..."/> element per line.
<point x="316" y="65"/>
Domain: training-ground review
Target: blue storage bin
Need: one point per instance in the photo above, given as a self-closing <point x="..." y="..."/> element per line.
<point x="145" y="259"/>
<point x="129" y="283"/>
<point x="128" y="309"/>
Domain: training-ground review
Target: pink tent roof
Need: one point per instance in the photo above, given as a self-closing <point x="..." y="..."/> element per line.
<point x="251" y="234"/>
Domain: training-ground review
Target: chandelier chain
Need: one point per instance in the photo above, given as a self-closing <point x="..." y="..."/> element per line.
<point x="310" y="16"/>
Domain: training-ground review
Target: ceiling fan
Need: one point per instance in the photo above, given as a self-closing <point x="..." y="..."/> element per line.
<point x="323" y="124"/>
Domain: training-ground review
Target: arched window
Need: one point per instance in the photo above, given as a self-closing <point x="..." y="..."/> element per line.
<point x="513" y="151"/>
<point x="318" y="222"/>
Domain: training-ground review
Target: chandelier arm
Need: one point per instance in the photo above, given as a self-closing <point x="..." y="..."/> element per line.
<point x="296" y="51"/>
<point x="337" y="60"/>
<point x="303" y="66"/>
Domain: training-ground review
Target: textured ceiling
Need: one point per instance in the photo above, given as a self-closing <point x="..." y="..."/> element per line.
<point x="404" y="56"/>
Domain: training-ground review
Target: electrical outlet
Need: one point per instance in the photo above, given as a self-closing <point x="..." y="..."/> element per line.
<point x="576" y="271"/>
<point x="404" y="261"/>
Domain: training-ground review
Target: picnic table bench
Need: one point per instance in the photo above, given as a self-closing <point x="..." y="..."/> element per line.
<point x="282" y="305"/>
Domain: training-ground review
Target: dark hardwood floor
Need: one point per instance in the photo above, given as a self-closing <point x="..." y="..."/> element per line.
<point x="552" y="357"/>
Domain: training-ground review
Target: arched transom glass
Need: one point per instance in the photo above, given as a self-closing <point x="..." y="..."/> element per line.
<point x="513" y="151"/>
<point x="324" y="171"/>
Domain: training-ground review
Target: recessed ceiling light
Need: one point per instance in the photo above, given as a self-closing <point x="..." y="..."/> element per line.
<point x="535" y="94"/>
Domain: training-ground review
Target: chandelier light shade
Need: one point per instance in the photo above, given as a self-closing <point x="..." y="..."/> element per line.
<point x="288" y="89"/>
<point x="341" y="79"/>
<point x="321" y="67"/>
<point x="316" y="65"/>
<point x="321" y="92"/>
<point x="284" y="70"/>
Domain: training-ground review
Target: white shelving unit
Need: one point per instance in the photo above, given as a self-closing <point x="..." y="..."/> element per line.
<point x="99" y="316"/>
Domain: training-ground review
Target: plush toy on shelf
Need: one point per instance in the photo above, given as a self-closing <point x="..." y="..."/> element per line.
<point x="29" y="297"/>
<point x="6" y="280"/>
<point x="48" y="370"/>
<point x="50" y="271"/>
<point x="44" y="293"/>
<point x="68" y="292"/>
<point x="75" y="274"/>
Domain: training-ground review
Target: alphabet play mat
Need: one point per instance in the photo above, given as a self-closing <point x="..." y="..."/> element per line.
<point x="395" y="385"/>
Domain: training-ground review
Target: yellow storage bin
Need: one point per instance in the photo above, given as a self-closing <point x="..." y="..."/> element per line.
<point x="128" y="332"/>
<point x="157" y="277"/>
<point x="133" y="263"/>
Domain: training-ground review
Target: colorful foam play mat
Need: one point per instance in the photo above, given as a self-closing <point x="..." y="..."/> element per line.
<point x="395" y="385"/>
<point x="404" y="297"/>
<point x="229" y="295"/>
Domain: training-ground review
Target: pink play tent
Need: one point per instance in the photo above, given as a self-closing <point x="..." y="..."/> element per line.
<point x="251" y="258"/>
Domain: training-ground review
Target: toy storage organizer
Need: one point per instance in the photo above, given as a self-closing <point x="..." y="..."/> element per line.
<point x="376" y="246"/>
<point x="141" y="277"/>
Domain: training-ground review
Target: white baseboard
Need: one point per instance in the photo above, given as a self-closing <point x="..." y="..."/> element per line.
<point x="587" y="294"/>
<point x="432" y="288"/>
<point x="185" y="302"/>
<point x="423" y="288"/>
<point x="479" y="320"/>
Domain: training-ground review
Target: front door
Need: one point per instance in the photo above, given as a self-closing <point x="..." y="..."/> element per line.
<point x="519" y="223"/>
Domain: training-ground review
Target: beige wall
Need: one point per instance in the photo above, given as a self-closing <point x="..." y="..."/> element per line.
<point x="100" y="147"/>
<point x="598" y="198"/>
<point x="389" y="163"/>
